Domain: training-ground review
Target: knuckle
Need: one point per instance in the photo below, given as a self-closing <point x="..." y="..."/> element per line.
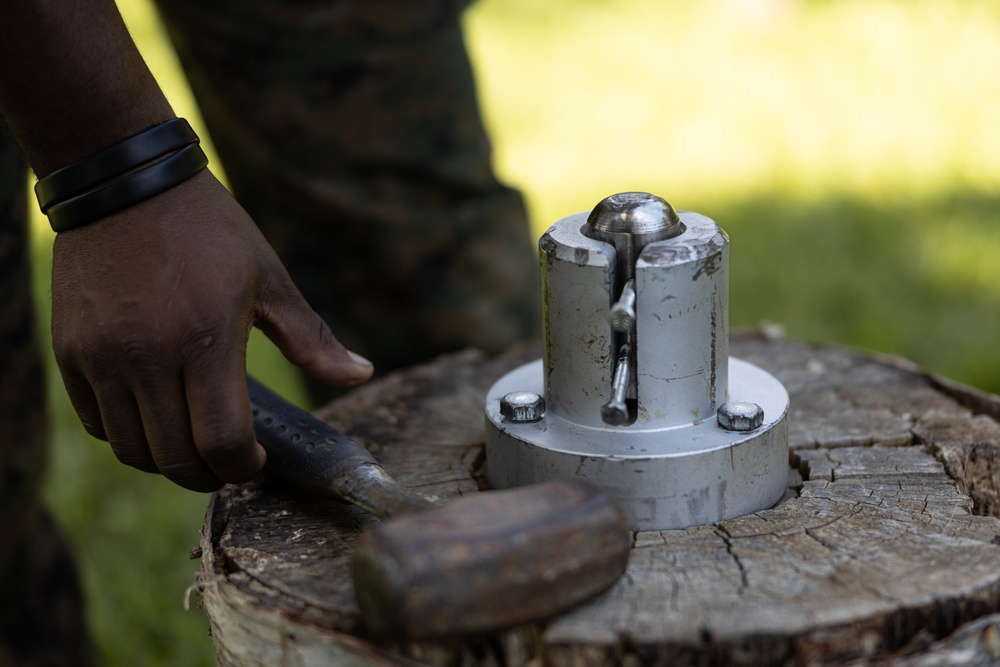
<point x="139" y="355"/>
<point x="138" y="460"/>
<point x="138" y="349"/>
<point x="277" y="299"/>
<point x="131" y="452"/>
<point x="201" y="344"/>
<point x="64" y="351"/>
<point x="104" y="359"/>
<point x="75" y="352"/>
<point x="231" y="457"/>
<point x="324" y="335"/>
<point x="95" y="430"/>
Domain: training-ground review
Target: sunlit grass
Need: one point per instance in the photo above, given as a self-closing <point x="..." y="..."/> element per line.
<point x="966" y="250"/>
<point x="720" y="100"/>
<point x="850" y="149"/>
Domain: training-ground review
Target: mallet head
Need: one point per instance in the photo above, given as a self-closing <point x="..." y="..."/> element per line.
<point x="489" y="561"/>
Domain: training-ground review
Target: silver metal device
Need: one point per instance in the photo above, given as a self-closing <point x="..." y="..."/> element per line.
<point x="636" y="391"/>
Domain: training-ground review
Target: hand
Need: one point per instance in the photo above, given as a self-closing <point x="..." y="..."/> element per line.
<point x="151" y="311"/>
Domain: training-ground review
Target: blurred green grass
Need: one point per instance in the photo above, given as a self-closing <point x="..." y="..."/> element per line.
<point x="851" y="149"/>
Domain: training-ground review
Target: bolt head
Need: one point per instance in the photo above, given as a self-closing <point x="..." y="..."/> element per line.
<point x="637" y="213"/>
<point x="615" y="414"/>
<point x="622" y="318"/>
<point x="522" y="407"/>
<point x="740" y="416"/>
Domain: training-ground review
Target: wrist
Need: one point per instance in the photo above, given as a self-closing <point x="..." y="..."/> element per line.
<point x="121" y="175"/>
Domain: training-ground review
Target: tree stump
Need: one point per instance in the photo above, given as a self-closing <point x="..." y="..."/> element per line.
<point x="884" y="550"/>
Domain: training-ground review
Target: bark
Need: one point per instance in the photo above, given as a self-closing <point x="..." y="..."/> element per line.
<point x="884" y="550"/>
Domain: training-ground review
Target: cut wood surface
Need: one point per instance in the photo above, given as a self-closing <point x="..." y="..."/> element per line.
<point x="884" y="550"/>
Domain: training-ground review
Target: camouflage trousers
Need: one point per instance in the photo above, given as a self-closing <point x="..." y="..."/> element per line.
<point x="350" y="131"/>
<point x="40" y="603"/>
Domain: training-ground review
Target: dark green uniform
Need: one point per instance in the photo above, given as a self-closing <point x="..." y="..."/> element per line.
<point x="40" y="606"/>
<point x="350" y="132"/>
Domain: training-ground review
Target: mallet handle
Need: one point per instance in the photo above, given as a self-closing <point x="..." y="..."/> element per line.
<point x="314" y="456"/>
<point x="477" y="564"/>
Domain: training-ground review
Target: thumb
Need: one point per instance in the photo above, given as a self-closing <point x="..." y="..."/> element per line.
<point x="305" y="339"/>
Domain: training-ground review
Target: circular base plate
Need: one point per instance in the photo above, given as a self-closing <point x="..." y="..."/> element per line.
<point x="668" y="478"/>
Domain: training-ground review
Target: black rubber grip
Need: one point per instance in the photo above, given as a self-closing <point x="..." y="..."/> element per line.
<point x="302" y="449"/>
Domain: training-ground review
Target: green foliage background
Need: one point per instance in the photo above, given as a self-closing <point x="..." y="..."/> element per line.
<point x="851" y="148"/>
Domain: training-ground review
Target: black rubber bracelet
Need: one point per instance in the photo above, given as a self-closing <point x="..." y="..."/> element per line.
<point x="128" y="190"/>
<point x="113" y="161"/>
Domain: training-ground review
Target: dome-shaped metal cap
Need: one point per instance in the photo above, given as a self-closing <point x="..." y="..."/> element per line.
<point x="641" y="214"/>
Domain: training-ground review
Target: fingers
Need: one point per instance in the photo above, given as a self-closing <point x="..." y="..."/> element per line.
<point x="109" y="412"/>
<point x="166" y="423"/>
<point x="152" y="317"/>
<point x="196" y="430"/>
<point x="187" y="414"/>
<point x="147" y="424"/>
<point x="123" y="425"/>
<point x="81" y="395"/>
<point x="306" y="340"/>
<point x="221" y="422"/>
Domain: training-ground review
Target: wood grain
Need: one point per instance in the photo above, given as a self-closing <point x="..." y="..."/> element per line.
<point x="885" y="546"/>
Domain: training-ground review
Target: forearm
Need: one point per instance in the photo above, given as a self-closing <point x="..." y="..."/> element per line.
<point x="72" y="80"/>
<point x="152" y="305"/>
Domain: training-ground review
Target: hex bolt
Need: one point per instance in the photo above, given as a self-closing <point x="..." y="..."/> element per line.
<point x="522" y="407"/>
<point x="740" y="416"/>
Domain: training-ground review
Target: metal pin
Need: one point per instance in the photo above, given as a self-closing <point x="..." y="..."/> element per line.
<point x="615" y="412"/>
<point x="622" y="316"/>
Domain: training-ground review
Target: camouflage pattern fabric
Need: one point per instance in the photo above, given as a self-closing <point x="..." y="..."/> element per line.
<point x="351" y="132"/>
<point x="40" y="603"/>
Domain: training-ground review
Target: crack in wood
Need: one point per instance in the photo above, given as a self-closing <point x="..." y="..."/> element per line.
<point x="875" y="550"/>
<point x="721" y="531"/>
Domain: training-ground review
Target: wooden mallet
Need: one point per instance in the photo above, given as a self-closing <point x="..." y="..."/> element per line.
<point x="474" y="564"/>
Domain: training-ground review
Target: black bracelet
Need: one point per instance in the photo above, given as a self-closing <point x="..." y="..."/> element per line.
<point x="113" y="161"/>
<point x="128" y="190"/>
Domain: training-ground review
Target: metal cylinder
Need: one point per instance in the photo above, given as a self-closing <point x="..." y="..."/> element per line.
<point x="681" y="323"/>
<point x="635" y="368"/>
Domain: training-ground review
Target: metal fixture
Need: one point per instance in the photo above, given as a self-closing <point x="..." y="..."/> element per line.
<point x="640" y="394"/>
